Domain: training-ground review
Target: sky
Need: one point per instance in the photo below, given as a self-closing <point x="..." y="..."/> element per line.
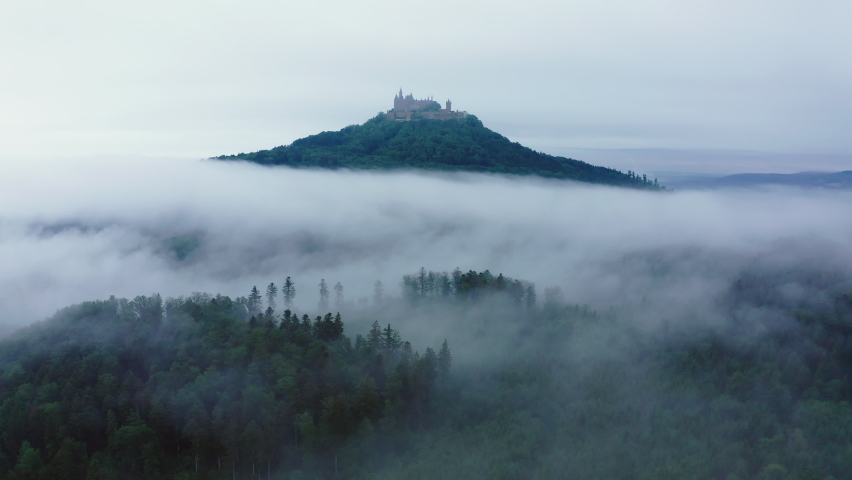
<point x="704" y="86"/>
<point x="107" y="110"/>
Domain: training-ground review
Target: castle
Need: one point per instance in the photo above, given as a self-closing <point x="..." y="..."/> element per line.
<point x="406" y="109"/>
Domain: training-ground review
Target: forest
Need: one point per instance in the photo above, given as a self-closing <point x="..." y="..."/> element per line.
<point x="452" y="145"/>
<point x="523" y="386"/>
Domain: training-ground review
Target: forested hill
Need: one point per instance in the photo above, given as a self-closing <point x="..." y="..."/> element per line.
<point x="453" y="145"/>
<point x="213" y="388"/>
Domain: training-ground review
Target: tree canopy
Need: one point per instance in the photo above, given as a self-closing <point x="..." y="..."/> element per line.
<point x="451" y="145"/>
<point x="208" y="387"/>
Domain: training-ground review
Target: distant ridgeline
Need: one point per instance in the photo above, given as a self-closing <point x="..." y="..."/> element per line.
<point x="419" y="134"/>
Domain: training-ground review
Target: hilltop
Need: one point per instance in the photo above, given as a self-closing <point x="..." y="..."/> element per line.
<point x="443" y="144"/>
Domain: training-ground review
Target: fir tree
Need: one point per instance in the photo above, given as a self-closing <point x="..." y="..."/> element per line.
<point x="271" y="293"/>
<point x="323" y="296"/>
<point x="374" y="336"/>
<point x="337" y="331"/>
<point x="254" y="301"/>
<point x="288" y="291"/>
<point x="457" y="275"/>
<point x="390" y="338"/>
<point x="445" y="361"/>
<point x="338" y="296"/>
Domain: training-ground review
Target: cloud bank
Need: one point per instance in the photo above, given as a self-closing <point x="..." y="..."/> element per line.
<point x="86" y="230"/>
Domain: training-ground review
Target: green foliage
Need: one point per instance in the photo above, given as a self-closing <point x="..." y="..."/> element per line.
<point x="451" y="145"/>
<point x="187" y="388"/>
<point x="136" y="389"/>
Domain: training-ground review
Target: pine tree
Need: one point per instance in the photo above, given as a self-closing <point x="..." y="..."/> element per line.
<point x="390" y="338"/>
<point x="426" y="370"/>
<point x="445" y="361"/>
<point x="374" y="336"/>
<point x="323" y="301"/>
<point x="317" y="329"/>
<point x="431" y="283"/>
<point x="271" y="293"/>
<point x="422" y="282"/>
<point x="338" y="296"/>
<point x="288" y="291"/>
<point x="457" y="275"/>
<point x="446" y="284"/>
<point x="337" y="332"/>
<point x="254" y="301"/>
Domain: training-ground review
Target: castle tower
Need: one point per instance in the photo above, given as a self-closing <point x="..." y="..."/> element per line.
<point x="449" y="104"/>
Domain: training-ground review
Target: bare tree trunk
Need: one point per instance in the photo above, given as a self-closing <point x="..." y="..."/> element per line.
<point x="268" y="468"/>
<point x="335" y="464"/>
<point x="196" y="463"/>
<point x="234" y="469"/>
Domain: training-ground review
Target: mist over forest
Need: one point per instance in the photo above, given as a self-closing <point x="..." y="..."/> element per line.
<point x="593" y="331"/>
<point x="131" y="226"/>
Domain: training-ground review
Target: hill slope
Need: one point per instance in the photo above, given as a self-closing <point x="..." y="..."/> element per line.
<point x="190" y="388"/>
<point x="453" y="145"/>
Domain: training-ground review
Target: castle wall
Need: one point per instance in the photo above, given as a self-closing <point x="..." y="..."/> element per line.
<point x="406" y="109"/>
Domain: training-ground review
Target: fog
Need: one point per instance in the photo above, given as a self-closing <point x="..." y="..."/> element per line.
<point x="91" y="228"/>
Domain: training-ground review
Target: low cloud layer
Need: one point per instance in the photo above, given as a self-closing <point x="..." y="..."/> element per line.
<point x="75" y="231"/>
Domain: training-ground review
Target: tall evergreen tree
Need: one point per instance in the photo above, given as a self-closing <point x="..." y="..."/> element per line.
<point x="422" y="282"/>
<point x="271" y="293"/>
<point x="374" y="336"/>
<point x="426" y="370"/>
<point x="254" y="301"/>
<point x="323" y="296"/>
<point x="457" y="275"/>
<point x="338" y="326"/>
<point x="338" y="296"/>
<point x="390" y="338"/>
<point x="445" y="361"/>
<point x="288" y="291"/>
<point x="446" y="284"/>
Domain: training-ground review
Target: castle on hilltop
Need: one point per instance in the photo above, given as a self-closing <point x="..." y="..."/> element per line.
<point x="406" y="109"/>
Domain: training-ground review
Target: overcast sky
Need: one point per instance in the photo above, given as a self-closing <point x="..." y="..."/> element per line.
<point x="710" y="86"/>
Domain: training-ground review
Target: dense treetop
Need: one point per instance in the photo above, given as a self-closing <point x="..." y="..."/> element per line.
<point x="452" y="145"/>
<point x="209" y="387"/>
